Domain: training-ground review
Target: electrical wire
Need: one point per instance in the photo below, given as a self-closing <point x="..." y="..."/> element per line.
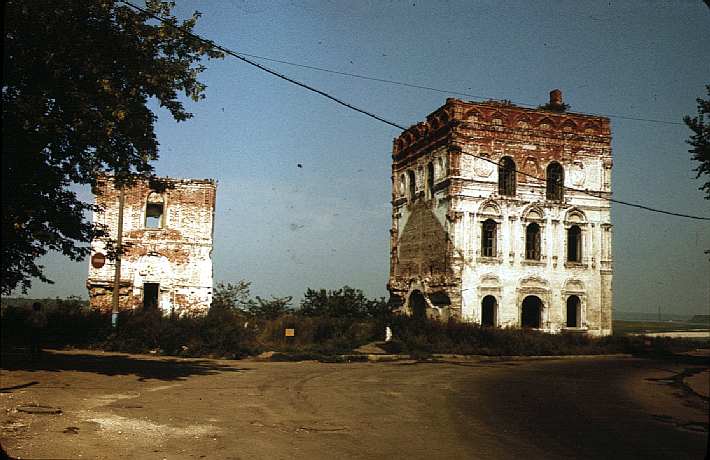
<point x="240" y="56"/>
<point x="265" y="69"/>
<point x="438" y="90"/>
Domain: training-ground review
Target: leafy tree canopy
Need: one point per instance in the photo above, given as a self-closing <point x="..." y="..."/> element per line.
<point x="346" y="302"/>
<point x="271" y="308"/>
<point x="233" y="297"/>
<point x="700" y="140"/>
<point x="77" y="78"/>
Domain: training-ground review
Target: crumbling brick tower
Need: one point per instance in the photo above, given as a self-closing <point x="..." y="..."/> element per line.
<point x="168" y="227"/>
<point x="491" y="222"/>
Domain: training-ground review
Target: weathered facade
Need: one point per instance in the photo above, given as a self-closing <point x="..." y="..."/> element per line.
<point x="499" y="217"/>
<point x="168" y="227"/>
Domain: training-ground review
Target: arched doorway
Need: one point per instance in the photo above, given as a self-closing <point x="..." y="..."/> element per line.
<point x="417" y="304"/>
<point x="573" y="311"/>
<point x="488" y="311"/>
<point x="531" y="312"/>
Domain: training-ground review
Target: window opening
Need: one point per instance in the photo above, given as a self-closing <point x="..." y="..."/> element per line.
<point x="488" y="311"/>
<point x="154" y="211"/>
<point x="555" y="182"/>
<point x="531" y="314"/>
<point x="488" y="240"/>
<point x="506" y="177"/>
<point x="417" y="304"/>
<point x="150" y="295"/>
<point x="574" y="244"/>
<point x="440" y="299"/>
<point x="532" y="242"/>
<point x="412" y="185"/>
<point x="430" y="178"/>
<point x="573" y="311"/>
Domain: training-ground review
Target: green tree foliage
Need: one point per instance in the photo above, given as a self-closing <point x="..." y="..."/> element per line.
<point x="77" y="79"/>
<point x="271" y="308"/>
<point x="233" y="297"/>
<point x="343" y="303"/>
<point x="561" y="108"/>
<point x="700" y="140"/>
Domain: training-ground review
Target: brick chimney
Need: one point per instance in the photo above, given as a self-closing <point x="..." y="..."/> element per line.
<point x="556" y="99"/>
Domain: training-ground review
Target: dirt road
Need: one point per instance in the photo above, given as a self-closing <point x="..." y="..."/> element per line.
<point x="145" y="407"/>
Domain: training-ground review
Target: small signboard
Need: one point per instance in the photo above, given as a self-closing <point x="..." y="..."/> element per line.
<point x="98" y="260"/>
<point x="290" y="332"/>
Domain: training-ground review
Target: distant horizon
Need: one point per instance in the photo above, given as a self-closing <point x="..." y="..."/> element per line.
<point x="296" y="303"/>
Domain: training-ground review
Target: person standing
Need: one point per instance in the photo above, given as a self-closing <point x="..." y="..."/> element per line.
<point x="37" y="322"/>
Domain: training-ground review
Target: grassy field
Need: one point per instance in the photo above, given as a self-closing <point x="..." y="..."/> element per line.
<point x="624" y="327"/>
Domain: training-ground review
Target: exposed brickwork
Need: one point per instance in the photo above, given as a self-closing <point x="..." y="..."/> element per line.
<point x="177" y="255"/>
<point x="437" y="231"/>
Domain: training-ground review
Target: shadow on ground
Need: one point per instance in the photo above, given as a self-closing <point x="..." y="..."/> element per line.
<point x="114" y="364"/>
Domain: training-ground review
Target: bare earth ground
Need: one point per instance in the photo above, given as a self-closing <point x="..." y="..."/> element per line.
<point x="145" y="407"/>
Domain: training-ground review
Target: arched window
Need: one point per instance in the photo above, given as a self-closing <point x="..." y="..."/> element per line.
<point x="506" y="177"/>
<point x="573" y="311"/>
<point x="488" y="311"/>
<point x="531" y="314"/>
<point x="154" y="211"/>
<point x="412" y="185"/>
<point x="488" y="238"/>
<point x="417" y="305"/>
<point x="532" y="242"/>
<point x="574" y="244"/>
<point x="555" y="181"/>
<point x="430" y="178"/>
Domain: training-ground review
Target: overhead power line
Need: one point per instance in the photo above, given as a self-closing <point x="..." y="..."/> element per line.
<point x="240" y="56"/>
<point x="438" y="90"/>
<point x="259" y="66"/>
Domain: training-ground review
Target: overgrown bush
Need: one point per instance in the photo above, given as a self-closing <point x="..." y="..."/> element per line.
<point x="418" y="335"/>
<point x="324" y="334"/>
<point x="237" y="326"/>
<point x="222" y="333"/>
<point x="345" y="302"/>
<point x="70" y="322"/>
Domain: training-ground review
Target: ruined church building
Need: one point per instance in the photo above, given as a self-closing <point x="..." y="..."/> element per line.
<point x="491" y="222"/>
<point x="167" y="231"/>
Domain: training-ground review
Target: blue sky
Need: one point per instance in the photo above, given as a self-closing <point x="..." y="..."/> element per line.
<point x="326" y="224"/>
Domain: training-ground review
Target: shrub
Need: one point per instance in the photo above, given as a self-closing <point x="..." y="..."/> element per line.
<point x="420" y="335"/>
<point x="69" y="322"/>
<point x="345" y="302"/>
<point x="324" y="334"/>
<point x="226" y="331"/>
<point x="270" y="309"/>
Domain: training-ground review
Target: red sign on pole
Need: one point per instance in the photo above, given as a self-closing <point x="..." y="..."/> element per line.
<point x="98" y="260"/>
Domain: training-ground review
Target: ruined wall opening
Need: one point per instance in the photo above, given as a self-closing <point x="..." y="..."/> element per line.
<point x="488" y="238"/>
<point x="506" y="177"/>
<point x="489" y="307"/>
<point x="150" y="295"/>
<point x="154" y="211"/>
<point x="412" y="179"/>
<point x="417" y="304"/>
<point x="555" y="182"/>
<point x="440" y="299"/>
<point x="395" y="302"/>
<point x="573" y="311"/>
<point x="532" y="242"/>
<point x="430" y="179"/>
<point x="531" y="315"/>
<point x="574" y="244"/>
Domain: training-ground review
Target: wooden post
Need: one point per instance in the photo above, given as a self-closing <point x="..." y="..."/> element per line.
<point x="117" y="272"/>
